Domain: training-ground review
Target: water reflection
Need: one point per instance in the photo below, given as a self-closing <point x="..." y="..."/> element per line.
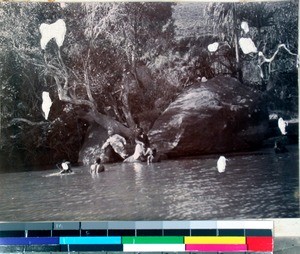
<point x="253" y="186"/>
<point x="137" y="167"/>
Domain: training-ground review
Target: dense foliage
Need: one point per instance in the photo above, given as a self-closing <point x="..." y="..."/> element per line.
<point x="100" y="73"/>
<point x="270" y="25"/>
<point x="121" y="64"/>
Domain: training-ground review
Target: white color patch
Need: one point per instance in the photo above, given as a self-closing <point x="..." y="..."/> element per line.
<point x="221" y="164"/>
<point x="245" y="26"/>
<point x="245" y="224"/>
<point x="213" y="47"/>
<point x="281" y="125"/>
<point x="56" y="30"/>
<point x="46" y="105"/>
<point x="154" y="247"/>
<point x="247" y="45"/>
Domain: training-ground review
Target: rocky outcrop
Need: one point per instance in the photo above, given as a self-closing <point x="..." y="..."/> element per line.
<point x="218" y="116"/>
<point x="91" y="149"/>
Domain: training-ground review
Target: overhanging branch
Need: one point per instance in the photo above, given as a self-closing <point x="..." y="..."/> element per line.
<point x="24" y="120"/>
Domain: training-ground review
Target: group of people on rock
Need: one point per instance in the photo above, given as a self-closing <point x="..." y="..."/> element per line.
<point x="142" y="151"/>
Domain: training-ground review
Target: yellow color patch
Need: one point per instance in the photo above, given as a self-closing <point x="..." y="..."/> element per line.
<point x="215" y="240"/>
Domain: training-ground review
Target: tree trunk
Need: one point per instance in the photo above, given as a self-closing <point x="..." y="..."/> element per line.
<point x="107" y="122"/>
<point x="63" y="94"/>
<point x="126" y="88"/>
<point x="235" y="34"/>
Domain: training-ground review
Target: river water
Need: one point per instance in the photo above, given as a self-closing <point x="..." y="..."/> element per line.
<point x="254" y="185"/>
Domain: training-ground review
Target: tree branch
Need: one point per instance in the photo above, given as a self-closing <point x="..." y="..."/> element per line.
<point x="269" y="60"/>
<point x="263" y="59"/>
<point x="17" y="120"/>
<point x="86" y="78"/>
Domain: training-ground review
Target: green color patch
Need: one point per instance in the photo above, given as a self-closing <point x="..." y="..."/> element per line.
<point x="153" y="240"/>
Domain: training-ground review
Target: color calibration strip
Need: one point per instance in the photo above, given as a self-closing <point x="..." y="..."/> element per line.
<point x="138" y="236"/>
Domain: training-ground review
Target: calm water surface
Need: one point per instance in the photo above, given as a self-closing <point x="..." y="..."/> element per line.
<point x="257" y="185"/>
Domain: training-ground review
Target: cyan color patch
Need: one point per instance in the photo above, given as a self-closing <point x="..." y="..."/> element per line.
<point x="91" y="240"/>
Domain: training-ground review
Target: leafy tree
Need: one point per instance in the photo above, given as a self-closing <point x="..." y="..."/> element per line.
<point x="267" y="22"/>
<point x="225" y="19"/>
<point x="20" y="83"/>
<point x="110" y="31"/>
<point x="96" y="76"/>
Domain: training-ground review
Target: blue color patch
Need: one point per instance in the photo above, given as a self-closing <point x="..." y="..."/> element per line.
<point x="28" y="240"/>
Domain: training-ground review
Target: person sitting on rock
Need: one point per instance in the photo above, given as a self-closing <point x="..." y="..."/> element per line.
<point x="117" y="142"/>
<point x="65" y="167"/>
<point x="142" y="137"/>
<point x="139" y="151"/>
<point x="97" y="167"/>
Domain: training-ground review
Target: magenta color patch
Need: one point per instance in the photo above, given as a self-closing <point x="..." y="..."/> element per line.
<point x="216" y="247"/>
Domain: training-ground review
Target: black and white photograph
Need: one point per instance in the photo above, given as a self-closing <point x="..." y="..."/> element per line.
<point x="149" y="111"/>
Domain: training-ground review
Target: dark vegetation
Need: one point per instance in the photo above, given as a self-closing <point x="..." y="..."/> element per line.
<point x="122" y="64"/>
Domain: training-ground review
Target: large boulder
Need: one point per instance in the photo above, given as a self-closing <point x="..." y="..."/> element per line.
<point x="217" y="116"/>
<point x="91" y="149"/>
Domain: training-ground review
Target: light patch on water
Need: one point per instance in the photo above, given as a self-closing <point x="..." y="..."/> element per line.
<point x="221" y="164"/>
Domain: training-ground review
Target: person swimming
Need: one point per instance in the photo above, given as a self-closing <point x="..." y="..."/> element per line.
<point x="65" y="167"/>
<point x="97" y="167"/>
